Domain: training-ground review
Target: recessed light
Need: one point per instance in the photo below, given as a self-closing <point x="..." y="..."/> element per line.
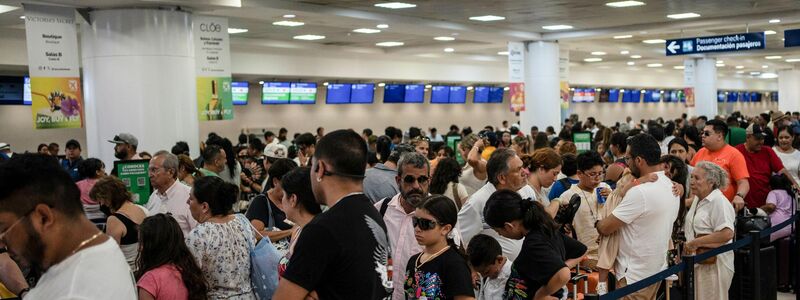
<point x="261" y="82"/>
<point x="7" y="8"/>
<point x="654" y="41"/>
<point x="619" y="37"/>
<point x="636" y="56"/>
<point x="598" y="53"/>
<point x="444" y="38"/>
<point x="624" y="52"/>
<point x="769" y="75"/>
<point x="506" y="88"/>
<point x="683" y="15"/>
<point x="678" y="67"/>
<point x="288" y="23"/>
<point x="428" y="86"/>
<point x="289" y="16"/>
<point x="764" y="66"/>
<point x="630" y="63"/>
<point x="793" y="60"/>
<point x="720" y="62"/>
<point x="773" y="21"/>
<point x="740" y="67"/>
<point x="309" y="37"/>
<point x="22" y="17"/>
<point x="487" y="18"/>
<point x="654" y="65"/>
<point x="773" y="57"/>
<point x="769" y="32"/>
<point x="469" y="88"/>
<point x="720" y="65"/>
<point x="395" y="5"/>
<point x="619" y="4"/>
<point x="366" y="30"/>
<point x="557" y="27"/>
<point x="325" y="83"/>
<point x="236" y="30"/>
<point x="448" y="50"/>
<point x="739" y="72"/>
<point x="383" y="26"/>
<point x="502" y="53"/>
<point x="389" y="44"/>
<point x="755" y="73"/>
<point x="381" y="84"/>
<point x="592" y="59"/>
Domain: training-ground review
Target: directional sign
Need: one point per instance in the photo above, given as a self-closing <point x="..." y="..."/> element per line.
<point x="791" y="38"/>
<point x="719" y="43"/>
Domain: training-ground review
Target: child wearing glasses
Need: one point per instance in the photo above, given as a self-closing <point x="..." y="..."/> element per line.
<point x="441" y="270"/>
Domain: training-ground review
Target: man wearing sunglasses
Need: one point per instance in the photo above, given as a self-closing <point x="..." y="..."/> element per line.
<point x="413" y="178"/>
<point x="717" y="151"/>
<point x="504" y="171"/>
<point x="43" y="225"/>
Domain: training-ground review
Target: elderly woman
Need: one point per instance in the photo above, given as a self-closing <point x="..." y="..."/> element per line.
<point x="709" y="224"/>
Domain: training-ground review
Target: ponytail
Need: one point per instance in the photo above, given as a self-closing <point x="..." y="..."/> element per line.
<point x="535" y="218"/>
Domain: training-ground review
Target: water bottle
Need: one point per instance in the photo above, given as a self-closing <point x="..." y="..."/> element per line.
<point x="600" y="198"/>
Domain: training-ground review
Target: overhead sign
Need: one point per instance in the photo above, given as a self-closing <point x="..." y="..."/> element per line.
<point x="212" y="65"/>
<point x="719" y="43"/>
<point x="791" y="38"/>
<point x="516" y="75"/>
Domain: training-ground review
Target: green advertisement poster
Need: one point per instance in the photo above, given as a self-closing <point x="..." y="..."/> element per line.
<point x="134" y="175"/>
<point x="583" y="141"/>
<point x="214" y="98"/>
<point x="452" y="142"/>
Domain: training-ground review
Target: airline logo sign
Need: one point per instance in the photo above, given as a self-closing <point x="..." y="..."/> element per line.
<point x="719" y="43"/>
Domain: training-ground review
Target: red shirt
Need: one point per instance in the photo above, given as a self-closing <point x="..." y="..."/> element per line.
<point x="760" y="165"/>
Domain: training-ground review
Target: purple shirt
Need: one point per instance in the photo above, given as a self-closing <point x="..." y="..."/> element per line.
<point x="783" y="211"/>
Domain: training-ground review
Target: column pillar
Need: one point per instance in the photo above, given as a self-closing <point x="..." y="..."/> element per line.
<point x="542" y="102"/>
<point x="705" y="87"/>
<point x="788" y="90"/>
<point x="139" y="78"/>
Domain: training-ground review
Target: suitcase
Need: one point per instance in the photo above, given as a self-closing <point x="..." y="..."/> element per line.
<point x="742" y="284"/>
<point x="784" y="263"/>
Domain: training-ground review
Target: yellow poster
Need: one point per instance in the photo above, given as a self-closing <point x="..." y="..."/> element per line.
<point x="564" y="95"/>
<point x="57" y="102"/>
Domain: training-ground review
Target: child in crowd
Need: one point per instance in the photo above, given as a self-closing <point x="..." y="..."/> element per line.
<point x="486" y="258"/>
<point x="779" y="204"/>
<point x="440" y="271"/>
<point x="165" y="267"/>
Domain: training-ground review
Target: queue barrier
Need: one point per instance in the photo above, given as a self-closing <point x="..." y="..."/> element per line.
<point x="686" y="266"/>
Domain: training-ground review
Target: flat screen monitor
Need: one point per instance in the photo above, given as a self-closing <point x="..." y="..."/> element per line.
<point x="303" y="93"/>
<point x="496" y="94"/>
<point x="12" y="90"/>
<point x="733" y="96"/>
<point x="481" y="94"/>
<point x="720" y="96"/>
<point x="613" y="95"/>
<point x="275" y="93"/>
<point x="239" y="91"/>
<point x="602" y="95"/>
<point x="648" y="96"/>
<point x="657" y="95"/>
<point x="26" y="96"/>
<point x="458" y="94"/>
<point x="415" y="93"/>
<point x="338" y="93"/>
<point x="362" y="93"/>
<point x="394" y="93"/>
<point x="440" y="94"/>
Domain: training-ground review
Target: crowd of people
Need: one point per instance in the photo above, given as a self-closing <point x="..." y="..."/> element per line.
<point x="493" y="214"/>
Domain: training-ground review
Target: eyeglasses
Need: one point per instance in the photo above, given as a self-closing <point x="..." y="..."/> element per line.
<point x="595" y="174"/>
<point x="3" y="235"/>
<point x="411" y="179"/>
<point x="424" y="224"/>
<point x="707" y="133"/>
<point x="154" y="169"/>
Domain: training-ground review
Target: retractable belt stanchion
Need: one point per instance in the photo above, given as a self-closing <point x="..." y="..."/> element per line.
<point x="755" y="259"/>
<point x="795" y="255"/>
<point x="688" y="277"/>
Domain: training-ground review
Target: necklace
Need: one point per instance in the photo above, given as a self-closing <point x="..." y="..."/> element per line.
<point x="589" y="205"/>
<point x="86" y="241"/>
<point x="421" y="262"/>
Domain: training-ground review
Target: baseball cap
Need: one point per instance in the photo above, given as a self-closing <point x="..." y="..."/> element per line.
<point x="5" y="146"/>
<point x="756" y="130"/>
<point x="276" y="151"/>
<point x="125" y="138"/>
<point x="73" y="144"/>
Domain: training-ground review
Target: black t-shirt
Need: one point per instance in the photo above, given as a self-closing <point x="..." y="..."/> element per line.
<point x="343" y="253"/>
<point x="258" y="211"/>
<point x="541" y="257"/>
<point x="444" y="277"/>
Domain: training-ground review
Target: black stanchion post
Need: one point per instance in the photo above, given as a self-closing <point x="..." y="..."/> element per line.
<point x="688" y="277"/>
<point x="592" y="297"/>
<point x="796" y="257"/>
<point x="755" y="260"/>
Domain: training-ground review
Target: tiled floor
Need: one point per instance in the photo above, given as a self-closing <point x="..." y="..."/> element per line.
<point x="785" y="296"/>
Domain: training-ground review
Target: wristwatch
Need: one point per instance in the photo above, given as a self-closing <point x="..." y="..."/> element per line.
<point x="740" y="195"/>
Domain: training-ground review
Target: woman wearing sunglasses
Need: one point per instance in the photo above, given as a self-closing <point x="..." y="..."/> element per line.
<point x="440" y="271"/>
<point x="542" y="268"/>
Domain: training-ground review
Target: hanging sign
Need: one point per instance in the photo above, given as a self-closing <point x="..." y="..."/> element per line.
<point x="718" y="43"/>
<point x="212" y="54"/>
<point x="516" y="75"/>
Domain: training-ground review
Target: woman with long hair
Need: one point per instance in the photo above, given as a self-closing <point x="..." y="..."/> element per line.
<point x="542" y="267"/>
<point x="543" y="165"/>
<point x="91" y="170"/>
<point x="445" y="182"/>
<point x="790" y="157"/>
<point x="299" y="204"/>
<point x="123" y="223"/>
<point x="165" y="268"/>
<point x="187" y="171"/>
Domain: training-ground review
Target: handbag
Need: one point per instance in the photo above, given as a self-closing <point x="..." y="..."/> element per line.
<point x="700" y="250"/>
<point x="264" y="260"/>
<point x="747" y="223"/>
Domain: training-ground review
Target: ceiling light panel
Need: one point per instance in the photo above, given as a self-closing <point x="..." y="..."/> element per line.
<point x="487" y="18"/>
<point x="619" y="37"/>
<point x="683" y="16"/>
<point x="236" y="30"/>
<point x="309" y="37"/>
<point x="395" y="5"/>
<point x="654" y="41"/>
<point x="7" y="8"/>
<point x="389" y="44"/>
<point x="557" y="27"/>
<point x="288" y="23"/>
<point x="444" y="38"/>
<point x="366" y="30"/>
<point x="619" y="4"/>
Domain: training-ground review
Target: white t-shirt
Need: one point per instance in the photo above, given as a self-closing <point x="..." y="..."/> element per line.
<point x="648" y="210"/>
<point x="493" y="288"/>
<point x="97" y="272"/>
<point x="791" y="161"/>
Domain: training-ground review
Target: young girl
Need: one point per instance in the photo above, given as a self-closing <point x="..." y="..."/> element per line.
<point x="779" y="204"/>
<point x="440" y="271"/>
<point x="542" y="268"/>
<point x="165" y="268"/>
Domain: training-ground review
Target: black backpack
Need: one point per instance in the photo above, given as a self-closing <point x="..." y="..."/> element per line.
<point x="384" y="205"/>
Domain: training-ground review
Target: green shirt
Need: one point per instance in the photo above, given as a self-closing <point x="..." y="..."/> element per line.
<point x="206" y="172"/>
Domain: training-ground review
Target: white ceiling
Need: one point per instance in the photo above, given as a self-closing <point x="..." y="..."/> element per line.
<point x="594" y="24"/>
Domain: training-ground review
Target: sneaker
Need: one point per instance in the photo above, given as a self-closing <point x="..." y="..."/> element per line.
<point x="602" y="288"/>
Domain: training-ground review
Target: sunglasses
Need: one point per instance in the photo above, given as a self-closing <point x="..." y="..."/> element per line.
<point x="410" y="179"/>
<point x="424" y="224"/>
<point x="707" y="133"/>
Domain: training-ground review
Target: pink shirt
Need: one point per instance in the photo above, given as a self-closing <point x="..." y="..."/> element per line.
<point x="401" y="238"/>
<point x="783" y="211"/>
<point x="86" y="186"/>
<point x="164" y="282"/>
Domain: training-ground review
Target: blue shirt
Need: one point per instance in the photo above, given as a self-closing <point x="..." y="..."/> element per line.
<point x="72" y="168"/>
<point x="559" y="188"/>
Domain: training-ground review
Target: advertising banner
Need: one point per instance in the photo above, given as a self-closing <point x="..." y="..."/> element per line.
<point x="516" y="75"/>
<point x="689" y="94"/>
<point x="57" y="100"/>
<point x="134" y="174"/>
<point x="212" y="62"/>
<point x="583" y="141"/>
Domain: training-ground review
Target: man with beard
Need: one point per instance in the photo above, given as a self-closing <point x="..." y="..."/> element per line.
<point x="413" y="178"/>
<point x="42" y="223"/>
<point x="644" y="218"/>
<point x="125" y="145"/>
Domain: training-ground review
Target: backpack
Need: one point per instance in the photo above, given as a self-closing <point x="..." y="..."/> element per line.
<point x="385" y="205"/>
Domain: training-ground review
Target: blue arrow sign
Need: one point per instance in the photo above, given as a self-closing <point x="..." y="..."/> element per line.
<point x="719" y="43"/>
